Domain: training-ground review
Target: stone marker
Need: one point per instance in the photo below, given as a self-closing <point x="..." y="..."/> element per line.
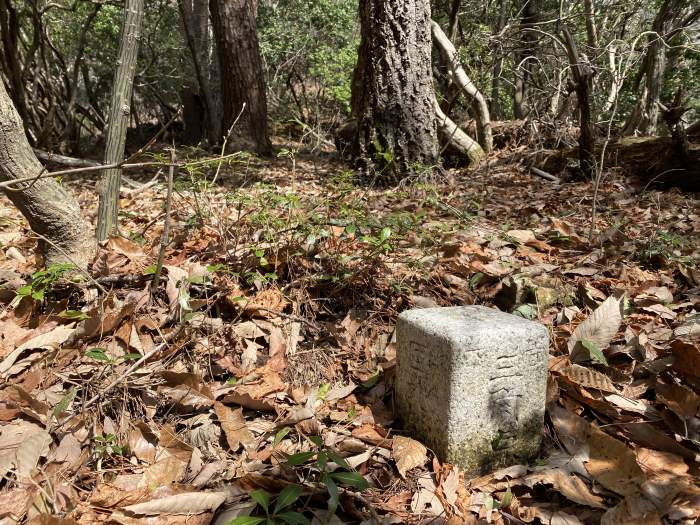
<point x="471" y="384"/>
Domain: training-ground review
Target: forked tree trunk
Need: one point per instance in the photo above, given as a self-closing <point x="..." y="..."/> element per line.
<point x="119" y="112"/>
<point x="582" y="75"/>
<point x="195" y="19"/>
<point x="671" y="19"/>
<point x="479" y="105"/>
<point x="392" y="96"/>
<point x="50" y="210"/>
<point x="524" y="59"/>
<point x="495" y="103"/>
<point x="242" y="83"/>
<point x="10" y="57"/>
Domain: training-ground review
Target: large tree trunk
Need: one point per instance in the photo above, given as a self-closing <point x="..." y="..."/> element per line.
<point x="119" y="112"/>
<point x="479" y="105"/>
<point x="50" y="210"/>
<point x="524" y="59"/>
<point x="195" y="19"/>
<point x="392" y="96"/>
<point x="242" y="83"/>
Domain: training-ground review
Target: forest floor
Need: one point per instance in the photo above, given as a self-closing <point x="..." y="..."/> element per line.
<point x="270" y="353"/>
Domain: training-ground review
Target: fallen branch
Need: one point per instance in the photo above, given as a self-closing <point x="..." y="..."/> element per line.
<point x="71" y="162"/>
<point x="455" y="137"/>
<point x="545" y="175"/>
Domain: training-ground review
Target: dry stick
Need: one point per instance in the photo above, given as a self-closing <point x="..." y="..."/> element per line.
<point x="166" y="222"/>
<point x="94" y="399"/>
<point x="6" y="185"/>
<point x="544" y="174"/>
<point x="223" y="147"/>
<point x="124" y="164"/>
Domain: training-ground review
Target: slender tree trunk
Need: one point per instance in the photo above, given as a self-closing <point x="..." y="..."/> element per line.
<point x="669" y="21"/>
<point x="582" y="75"/>
<point x="524" y="60"/>
<point x="50" y="210"/>
<point x="454" y="19"/>
<point x="10" y="58"/>
<point x="495" y="102"/>
<point x="119" y="113"/>
<point x="392" y="96"/>
<point x="481" y="108"/>
<point x="195" y="19"/>
<point x="242" y="82"/>
<point x="72" y="132"/>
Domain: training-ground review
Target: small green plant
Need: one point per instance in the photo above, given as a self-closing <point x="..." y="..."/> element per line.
<point x="278" y="514"/>
<point x="662" y="247"/>
<point x="43" y="281"/>
<point x="107" y="446"/>
<point x="379" y="243"/>
<point x="342" y="475"/>
<point x="100" y="354"/>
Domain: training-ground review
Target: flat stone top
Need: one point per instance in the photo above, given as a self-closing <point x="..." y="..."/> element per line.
<point x="467" y="319"/>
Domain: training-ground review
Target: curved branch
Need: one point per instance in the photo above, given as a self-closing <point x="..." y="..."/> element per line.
<point x="455" y="137"/>
<point x="481" y="108"/>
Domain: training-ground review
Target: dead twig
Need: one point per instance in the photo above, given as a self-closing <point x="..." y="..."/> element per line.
<point x="164" y="239"/>
<point x="543" y="174"/>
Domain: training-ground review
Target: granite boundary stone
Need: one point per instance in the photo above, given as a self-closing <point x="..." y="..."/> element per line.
<point x="471" y="384"/>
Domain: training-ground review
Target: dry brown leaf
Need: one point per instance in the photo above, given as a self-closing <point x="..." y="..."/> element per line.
<point x="682" y="400"/>
<point x="613" y="464"/>
<point x="569" y="485"/>
<point x="29" y="451"/>
<point x="655" y="462"/>
<point x="234" y="426"/>
<point x="49" y="340"/>
<point x="634" y="509"/>
<point x="687" y="357"/>
<point x="186" y="503"/>
<point x="408" y="454"/>
<point x="278" y="350"/>
<point x="142" y="442"/>
<point x="599" y="328"/>
<point x="588" y="378"/>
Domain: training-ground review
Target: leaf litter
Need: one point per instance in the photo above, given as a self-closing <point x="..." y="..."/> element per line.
<point x="264" y="359"/>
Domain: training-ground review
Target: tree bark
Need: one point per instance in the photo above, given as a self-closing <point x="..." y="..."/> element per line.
<point x="119" y="112"/>
<point x="668" y="22"/>
<point x="481" y="108"/>
<point x="10" y="58"/>
<point x="195" y="19"/>
<point x="242" y="82"/>
<point x="392" y="92"/>
<point x="582" y="75"/>
<point x="524" y="60"/>
<point x="495" y="102"/>
<point x="50" y="210"/>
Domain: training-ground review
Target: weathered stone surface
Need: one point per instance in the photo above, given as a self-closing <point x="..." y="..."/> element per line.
<point x="471" y="384"/>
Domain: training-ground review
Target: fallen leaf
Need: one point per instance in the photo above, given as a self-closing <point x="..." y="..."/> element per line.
<point x="186" y="503"/>
<point x="588" y="378"/>
<point x="234" y="426"/>
<point x="599" y="328"/>
<point x="408" y="454"/>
